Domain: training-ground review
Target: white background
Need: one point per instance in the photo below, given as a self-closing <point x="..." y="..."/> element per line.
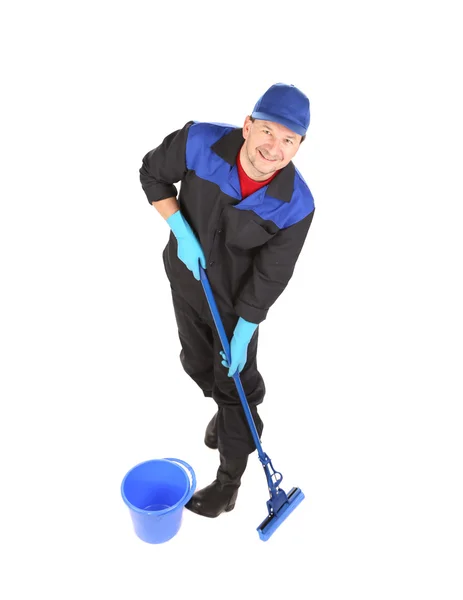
<point x="362" y="354"/>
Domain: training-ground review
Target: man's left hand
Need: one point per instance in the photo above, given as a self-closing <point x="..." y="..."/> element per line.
<point x="239" y="346"/>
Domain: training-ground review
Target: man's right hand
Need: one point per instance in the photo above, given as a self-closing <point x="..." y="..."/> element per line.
<point x="189" y="249"/>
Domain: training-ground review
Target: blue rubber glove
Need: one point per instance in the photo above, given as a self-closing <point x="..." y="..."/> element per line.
<point x="239" y="346"/>
<point x="189" y="249"/>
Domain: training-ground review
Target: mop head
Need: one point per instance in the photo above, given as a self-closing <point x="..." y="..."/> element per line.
<point x="273" y="521"/>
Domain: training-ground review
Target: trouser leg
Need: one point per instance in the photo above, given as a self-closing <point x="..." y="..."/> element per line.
<point x="200" y="357"/>
<point x="233" y="432"/>
<point x="196" y="340"/>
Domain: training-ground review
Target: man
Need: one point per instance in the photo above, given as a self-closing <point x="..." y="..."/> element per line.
<point x="243" y="213"/>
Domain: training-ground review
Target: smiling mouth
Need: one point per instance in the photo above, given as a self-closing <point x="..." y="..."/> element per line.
<point x="267" y="159"/>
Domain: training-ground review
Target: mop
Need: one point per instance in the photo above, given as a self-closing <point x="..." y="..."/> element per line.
<point x="280" y="505"/>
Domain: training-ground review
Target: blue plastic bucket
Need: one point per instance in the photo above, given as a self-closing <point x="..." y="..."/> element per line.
<point x="156" y="492"/>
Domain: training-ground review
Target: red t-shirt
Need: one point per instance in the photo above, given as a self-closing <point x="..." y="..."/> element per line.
<point x="248" y="185"/>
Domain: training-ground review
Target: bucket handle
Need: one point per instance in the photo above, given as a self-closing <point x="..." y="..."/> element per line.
<point x="191" y="472"/>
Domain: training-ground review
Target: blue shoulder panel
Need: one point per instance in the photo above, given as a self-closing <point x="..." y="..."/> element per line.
<point x="283" y="214"/>
<point x="204" y="161"/>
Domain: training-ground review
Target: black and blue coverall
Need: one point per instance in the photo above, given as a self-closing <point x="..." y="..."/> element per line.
<point x="251" y="246"/>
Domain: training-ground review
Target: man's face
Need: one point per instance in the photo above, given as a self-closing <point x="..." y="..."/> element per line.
<point x="268" y="146"/>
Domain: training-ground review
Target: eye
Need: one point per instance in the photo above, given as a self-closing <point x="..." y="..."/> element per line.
<point x="266" y="131"/>
<point x="288" y="141"/>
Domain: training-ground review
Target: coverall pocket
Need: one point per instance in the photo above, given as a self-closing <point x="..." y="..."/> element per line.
<point x="252" y="235"/>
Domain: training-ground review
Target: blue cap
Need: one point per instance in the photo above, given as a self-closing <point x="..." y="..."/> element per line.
<point x="286" y="105"/>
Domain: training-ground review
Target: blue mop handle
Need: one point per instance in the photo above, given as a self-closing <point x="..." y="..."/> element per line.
<point x="226" y="349"/>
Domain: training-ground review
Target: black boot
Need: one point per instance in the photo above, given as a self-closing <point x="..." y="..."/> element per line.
<point x="221" y="494"/>
<point x="210" y="439"/>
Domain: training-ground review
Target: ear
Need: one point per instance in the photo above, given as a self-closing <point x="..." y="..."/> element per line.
<point x="247" y="127"/>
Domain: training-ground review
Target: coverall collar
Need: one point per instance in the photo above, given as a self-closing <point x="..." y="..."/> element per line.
<point x="281" y="187"/>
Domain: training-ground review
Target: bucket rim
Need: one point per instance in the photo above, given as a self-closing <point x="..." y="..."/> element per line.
<point x="183" y="500"/>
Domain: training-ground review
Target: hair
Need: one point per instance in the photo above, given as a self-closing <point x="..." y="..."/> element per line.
<point x="302" y="138"/>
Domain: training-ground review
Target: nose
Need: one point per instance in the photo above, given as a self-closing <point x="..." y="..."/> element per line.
<point x="273" y="147"/>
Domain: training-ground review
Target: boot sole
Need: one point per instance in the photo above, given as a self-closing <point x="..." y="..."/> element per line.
<point x="197" y="512"/>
